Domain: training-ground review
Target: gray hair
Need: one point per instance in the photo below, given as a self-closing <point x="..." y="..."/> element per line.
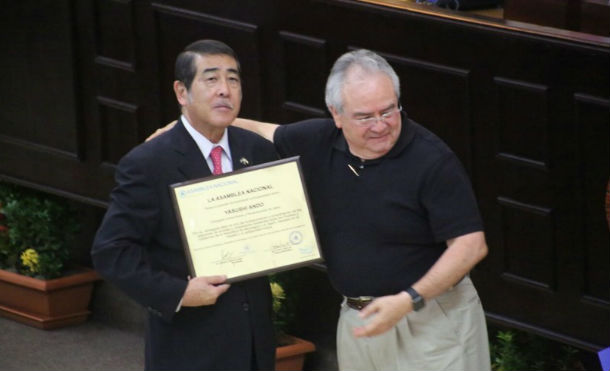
<point x="365" y="59"/>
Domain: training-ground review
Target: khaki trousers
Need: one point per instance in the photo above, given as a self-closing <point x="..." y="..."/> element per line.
<point x="449" y="333"/>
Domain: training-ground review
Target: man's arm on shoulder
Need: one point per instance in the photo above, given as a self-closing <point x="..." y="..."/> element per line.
<point x="461" y="255"/>
<point x="162" y="130"/>
<point x="264" y="129"/>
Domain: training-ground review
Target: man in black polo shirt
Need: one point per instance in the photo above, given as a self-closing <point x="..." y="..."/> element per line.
<point x="398" y="223"/>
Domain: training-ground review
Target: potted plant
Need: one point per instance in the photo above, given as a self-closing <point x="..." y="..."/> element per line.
<point x="291" y="350"/>
<point x="38" y="287"/>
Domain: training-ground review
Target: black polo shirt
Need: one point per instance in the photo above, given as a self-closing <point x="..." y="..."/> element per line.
<point x="381" y="230"/>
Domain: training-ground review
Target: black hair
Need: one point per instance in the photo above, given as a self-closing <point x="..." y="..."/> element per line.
<point x="186" y="68"/>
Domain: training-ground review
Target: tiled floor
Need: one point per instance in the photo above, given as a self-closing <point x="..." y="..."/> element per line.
<point x="89" y="346"/>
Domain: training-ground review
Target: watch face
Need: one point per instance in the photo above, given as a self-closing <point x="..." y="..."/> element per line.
<point x="418" y="303"/>
<point x="417" y="300"/>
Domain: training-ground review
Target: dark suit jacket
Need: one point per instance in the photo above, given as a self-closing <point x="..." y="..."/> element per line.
<point x="138" y="248"/>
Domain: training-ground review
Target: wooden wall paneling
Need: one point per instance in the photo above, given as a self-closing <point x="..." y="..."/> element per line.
<point x="177" y="27"/>
<point x="115" y="33"/>
<point x="118" y="129"/>
<point x="147" y="67"/>
<point x="593" y="123"/>
<point x="528" y="244"/>
<point x="544" y="12"/>
<point x="305" y="69"/>
<point x="532" y="167"/>
<point x="38" y="96"/>
<point x="523" y="184"/>
<point x="117" y="93"/>
<point x="43" y="130"/>
<point x="523" y="132"/>
<point x="524" y="256"/>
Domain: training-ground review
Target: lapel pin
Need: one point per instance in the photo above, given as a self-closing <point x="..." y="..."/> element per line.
<point x="244" y="161"/>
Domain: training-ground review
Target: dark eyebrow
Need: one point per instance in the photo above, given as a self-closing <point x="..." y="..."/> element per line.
<point x="215" y="69"/>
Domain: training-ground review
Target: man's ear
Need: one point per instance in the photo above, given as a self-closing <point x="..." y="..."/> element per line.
<point x="336" y="116"/>
<point x="181" y="93"/>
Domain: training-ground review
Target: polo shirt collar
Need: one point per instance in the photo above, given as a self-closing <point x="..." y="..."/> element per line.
<point x="406" y="136"/>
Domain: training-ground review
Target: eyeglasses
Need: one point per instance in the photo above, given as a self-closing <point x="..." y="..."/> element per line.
<point x="369" y="121"/>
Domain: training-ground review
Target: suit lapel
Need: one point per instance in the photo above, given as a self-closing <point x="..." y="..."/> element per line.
<point x="240" y="156"/>
<point x="191" y="162"/>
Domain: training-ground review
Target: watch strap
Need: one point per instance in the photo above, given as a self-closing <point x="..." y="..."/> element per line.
<point x="417" y="300"/>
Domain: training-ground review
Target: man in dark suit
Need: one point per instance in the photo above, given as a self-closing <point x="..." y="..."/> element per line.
<point x="198" y="323"/>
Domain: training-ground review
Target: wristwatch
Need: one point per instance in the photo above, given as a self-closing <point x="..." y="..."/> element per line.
<point x="416" y="299"/>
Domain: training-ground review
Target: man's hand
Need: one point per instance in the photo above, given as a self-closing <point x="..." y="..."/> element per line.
<point x="204" y="291"/>
<point x="388" y="311"/>
<point x="161" y="130"/>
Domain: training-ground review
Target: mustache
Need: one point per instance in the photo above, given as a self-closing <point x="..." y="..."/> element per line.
<point x="223" y="104"/>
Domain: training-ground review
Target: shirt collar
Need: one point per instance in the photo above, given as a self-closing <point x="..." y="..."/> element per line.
<point x="204" y="144"/>
<point x="406" y="136"/>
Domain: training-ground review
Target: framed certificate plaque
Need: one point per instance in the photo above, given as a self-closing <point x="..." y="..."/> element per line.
<point x="247" y="223"/>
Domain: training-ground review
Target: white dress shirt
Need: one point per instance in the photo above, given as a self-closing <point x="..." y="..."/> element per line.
<point x="205" y="146"/>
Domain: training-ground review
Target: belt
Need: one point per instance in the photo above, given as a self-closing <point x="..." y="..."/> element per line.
<point x="362" y="301"/>
<point x="359" y="302"/>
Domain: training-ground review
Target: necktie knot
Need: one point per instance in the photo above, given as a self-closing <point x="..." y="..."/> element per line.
<point x="216" y="160"/>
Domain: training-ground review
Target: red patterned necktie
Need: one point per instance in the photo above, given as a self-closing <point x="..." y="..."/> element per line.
<point x="216" y="155"/>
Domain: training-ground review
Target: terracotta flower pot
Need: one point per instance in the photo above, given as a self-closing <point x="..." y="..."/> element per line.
<point x="47" y="304"/>
<point x="290" y="357"/>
